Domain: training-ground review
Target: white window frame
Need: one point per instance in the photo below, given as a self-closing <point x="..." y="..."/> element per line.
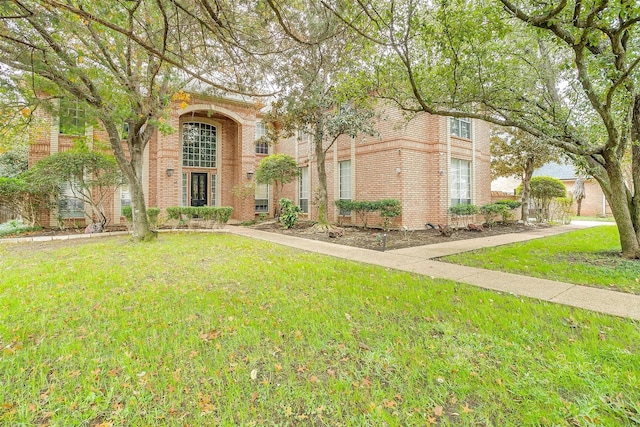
<point x="261" y="147"/>
<point x="461" y="185"/>
<point x="460" y="127"/>
<point x="344" y="183"/>
<point x="203" y="153"/>
<point x="303" y="189"/>
<point x="69" y="206"/>
<point x="125" y="196"/>
<point x="261" y="198"/>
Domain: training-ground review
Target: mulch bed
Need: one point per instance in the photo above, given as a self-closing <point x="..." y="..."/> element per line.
<point x="395" y="239"/>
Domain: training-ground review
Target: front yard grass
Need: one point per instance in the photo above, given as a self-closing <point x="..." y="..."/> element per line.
<point x="201" y="329"/>
<point x="585" y="257"/>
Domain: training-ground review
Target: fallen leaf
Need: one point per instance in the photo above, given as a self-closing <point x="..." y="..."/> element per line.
<point x="438" y="411"/>
<point x="466" y="408"/>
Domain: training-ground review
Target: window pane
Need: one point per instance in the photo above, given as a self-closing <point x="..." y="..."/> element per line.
<point x="460" y="182"/>
<point x="460" y="127"/>
<point x="72" y="117"/>
<point x="69" y="206"/>
<point x="345" y="183"/>
<point x="199" y="144"/>
<point x="303" y="189"/>
<point x="262" y="198"/>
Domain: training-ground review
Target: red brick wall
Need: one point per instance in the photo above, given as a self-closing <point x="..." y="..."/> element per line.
<point x="408" y="161"/>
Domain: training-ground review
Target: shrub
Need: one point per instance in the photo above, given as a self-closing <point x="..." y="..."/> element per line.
<point x="288" y="213"/>
<point x="152" y="216"/>
<point x="389" y="209"/>
<point x="127" y="213"/>
<point x="491" y="211"/>
<point x="219" y="215"/>
<point x="511" y="204"/>
<point x="223" y="214"/>
<point x="360" y="207"/>
<point x="561" y="209"/>
<point x="460" y="214"/>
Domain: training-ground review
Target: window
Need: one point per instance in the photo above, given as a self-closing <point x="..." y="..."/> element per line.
<point x="68" y="205"/>
<point x="261" y="147"/>
<point x="72" y="117"/>
<point x="125" y="197"/>
<point x="213" y="189"/>
<point x="262" y="198"/>
<point x="185" y="189"/>
<point x="345" y="183"/>
<point x="460" y="182"/>
<point x="303" y="189"/>
<point x="199" y="144"/>
<point x="304" y="135"/>
<point x="461" y="127"/>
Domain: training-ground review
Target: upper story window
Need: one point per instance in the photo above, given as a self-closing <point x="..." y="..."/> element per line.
<point x="304" y="135"/>
<point x="199" y="145"/>
<point x="461" y="127"/>
<point x="73" y="117"/>
<point x="261" y="147"/>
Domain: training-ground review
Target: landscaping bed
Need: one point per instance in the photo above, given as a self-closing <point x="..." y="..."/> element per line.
<point x="372" y="238"/>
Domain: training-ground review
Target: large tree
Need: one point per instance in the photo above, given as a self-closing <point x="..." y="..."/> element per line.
<point x="124" y="60"/>
<point x="317" y="97"/>
<point x="565" y="71"/>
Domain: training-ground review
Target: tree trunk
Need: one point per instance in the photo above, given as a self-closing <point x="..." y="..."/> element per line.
<point x="526" y="188"/>
<point x="622" y="207"/>
<point x="323" y="197"/>
<point x="132" y="170"/>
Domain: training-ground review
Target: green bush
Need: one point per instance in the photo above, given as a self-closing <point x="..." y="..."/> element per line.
<point x="511" y="204"/>
<point x="127" y="213"/>
<point x="223" y="214"/>
<point x="152" y="215"/>
<point x="491" y="211"/>
<point x="360" y="207"/>
<point x="461" y="214"/>
<point x="389" y="209"/>
<point x="288" y="213"/>
<point x="219" y="215"/>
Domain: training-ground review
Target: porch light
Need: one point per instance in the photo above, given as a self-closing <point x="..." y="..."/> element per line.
<point x="249" y="175"/>
<point x="169" y="171"/>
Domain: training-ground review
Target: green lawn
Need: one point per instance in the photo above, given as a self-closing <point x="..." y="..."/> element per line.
<point x="585" y="257"/>
<point x="203" y="330"/>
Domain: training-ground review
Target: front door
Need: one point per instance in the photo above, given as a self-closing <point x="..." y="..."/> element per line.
<point x="198" y="189"/>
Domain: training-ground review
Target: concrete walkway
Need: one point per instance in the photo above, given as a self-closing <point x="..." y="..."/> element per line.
<point x="420" y="260"/>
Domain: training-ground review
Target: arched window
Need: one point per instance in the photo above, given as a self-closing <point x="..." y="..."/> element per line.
<point x="199" y="143"/>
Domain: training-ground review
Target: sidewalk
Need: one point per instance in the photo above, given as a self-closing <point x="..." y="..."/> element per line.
<point x="420" y="260"/>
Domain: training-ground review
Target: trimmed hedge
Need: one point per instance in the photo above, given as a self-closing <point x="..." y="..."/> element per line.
<point x="388" y="209"/>
<point x="220" y="215"/>
<point x="152" y="215"/>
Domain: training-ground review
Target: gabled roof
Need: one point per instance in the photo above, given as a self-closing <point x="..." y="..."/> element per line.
<point x="557" y="170"/>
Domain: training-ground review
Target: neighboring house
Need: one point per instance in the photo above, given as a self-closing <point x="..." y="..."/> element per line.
<point x="429" y="163"/>
<point x="594" y="203"/>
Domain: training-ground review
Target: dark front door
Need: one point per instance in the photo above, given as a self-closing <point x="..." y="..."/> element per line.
<point x="198" y="189"/>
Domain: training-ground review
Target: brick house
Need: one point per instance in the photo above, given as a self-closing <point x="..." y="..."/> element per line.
<point x="428" y="163"/>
